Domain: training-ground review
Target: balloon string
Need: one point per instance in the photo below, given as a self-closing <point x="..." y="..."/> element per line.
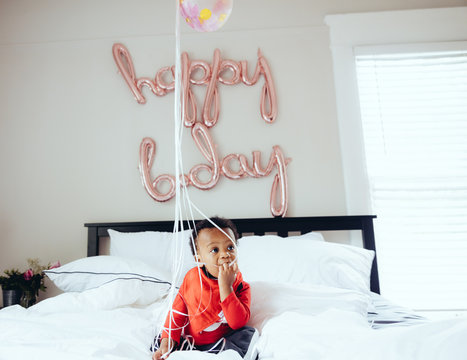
<point x="177" y="253"/>
<point x="182" y="200"/>
<point x="183" y="204"/>
<point x="217" y="227"/>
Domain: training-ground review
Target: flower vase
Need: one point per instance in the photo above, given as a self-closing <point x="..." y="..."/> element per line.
<point x="11" y="297"/>
<point x="28" y="299"/>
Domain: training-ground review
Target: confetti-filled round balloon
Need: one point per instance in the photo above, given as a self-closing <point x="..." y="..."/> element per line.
<point x="205" y="15"/>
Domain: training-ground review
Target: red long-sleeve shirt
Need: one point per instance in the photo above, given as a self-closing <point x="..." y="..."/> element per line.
<point x="197" y="306"/>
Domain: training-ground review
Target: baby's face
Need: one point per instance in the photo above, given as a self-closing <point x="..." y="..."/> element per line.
<point x="215" y="248"/>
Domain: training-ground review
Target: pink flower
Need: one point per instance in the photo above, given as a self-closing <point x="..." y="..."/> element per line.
<point x="28" y="275"/>
<point x="56" y="264"/>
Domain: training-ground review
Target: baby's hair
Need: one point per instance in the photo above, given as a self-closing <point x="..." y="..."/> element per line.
<point x="206" y="224"/>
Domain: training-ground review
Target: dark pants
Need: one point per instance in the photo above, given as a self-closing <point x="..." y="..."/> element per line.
<point x="239" y="340"/>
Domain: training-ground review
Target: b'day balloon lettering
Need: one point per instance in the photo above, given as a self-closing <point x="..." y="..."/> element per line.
<point x="209" y="75"/>
<point x="216" y="167"/>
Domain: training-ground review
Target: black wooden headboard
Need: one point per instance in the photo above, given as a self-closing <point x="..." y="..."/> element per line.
<point x="258" y="226"/>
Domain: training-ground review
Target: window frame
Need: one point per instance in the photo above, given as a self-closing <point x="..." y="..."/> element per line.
<point x="396" y="31"/>
<point x="370" y="33"/>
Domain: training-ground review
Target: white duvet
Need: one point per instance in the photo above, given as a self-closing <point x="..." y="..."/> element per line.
<point x="107" y="322"/>
<point x="296" y="322"/>
<point x="95" y="324"/>
<point x="340" y="335"/>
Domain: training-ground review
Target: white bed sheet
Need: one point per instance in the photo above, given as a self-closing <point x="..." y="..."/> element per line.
<point x="384" y="313"/>
<point x="340" y="335"/>
<point x="108" y="334"/>
<point x="296" y="322"/>
<point x="101" y="323"/>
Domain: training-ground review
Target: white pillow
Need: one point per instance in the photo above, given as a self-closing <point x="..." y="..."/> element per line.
<point x="108" y="296"/>
<point x="155" y="248"/>
<point x="92" y="272"/>
<point x="294" y="260"/>
<point x="272" y="299"/>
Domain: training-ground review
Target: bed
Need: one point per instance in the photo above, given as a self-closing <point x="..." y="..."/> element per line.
<point x="257" y="226"/>
<point x="311" y="299"/>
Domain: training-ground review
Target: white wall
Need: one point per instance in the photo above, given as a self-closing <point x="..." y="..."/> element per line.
<point x="70" y="128"/>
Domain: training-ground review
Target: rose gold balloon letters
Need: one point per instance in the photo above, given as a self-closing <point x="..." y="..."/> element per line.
<point x="215" y="166"/>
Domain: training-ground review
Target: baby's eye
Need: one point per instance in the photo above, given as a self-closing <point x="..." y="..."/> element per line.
<point x="214" y="250"/>
<point x="231" y="248"/>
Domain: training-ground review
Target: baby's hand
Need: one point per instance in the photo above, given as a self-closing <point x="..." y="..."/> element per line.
<point x="164" y="348"/>
<point x="226" y="279"/>
<point x="158" y="355"/>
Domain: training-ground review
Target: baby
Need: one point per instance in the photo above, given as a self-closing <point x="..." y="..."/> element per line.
<point x="212" y="306"/>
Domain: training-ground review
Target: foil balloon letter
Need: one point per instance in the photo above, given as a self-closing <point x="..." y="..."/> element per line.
<point x="211" y="101"/>
<point x="125" y="66"/>
<point x="203" y="140"/>
<point x="268" y="95"/>
<point x="279" y="185"/>
<point x="147" y="152"/>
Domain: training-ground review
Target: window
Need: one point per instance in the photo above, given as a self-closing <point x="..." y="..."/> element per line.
<point x="414" y="117"/>
<point x="403" y="134"/>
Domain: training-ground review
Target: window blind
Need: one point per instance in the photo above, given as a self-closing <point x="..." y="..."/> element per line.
<point x="414" y="117"/>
